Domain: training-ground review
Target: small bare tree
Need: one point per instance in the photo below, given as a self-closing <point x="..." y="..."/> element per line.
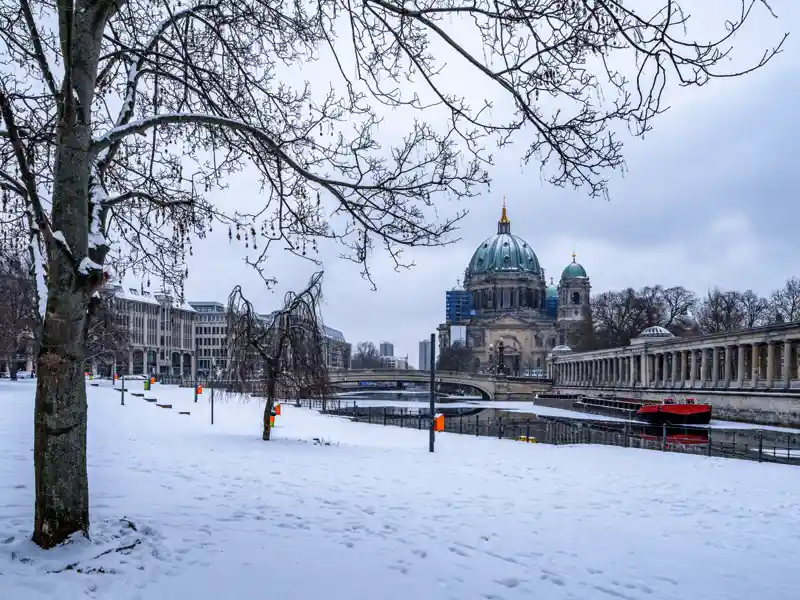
<point x="282" y="353"/>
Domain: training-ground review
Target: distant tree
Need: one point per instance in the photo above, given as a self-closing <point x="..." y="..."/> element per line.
<point x="755" y="310"/>
<point x="456" y="357"/>
<point x="366" y="356"/>
<point x="108" y="335"/>
<point x="19" y="322"/>
<point x="582" y="336"/>
<point x="678" y="306"/>
<point x="618" y="317"/>
<point x="720" y="311"/>
<point x="282" y="354"/>
<point x="785" y="302"/>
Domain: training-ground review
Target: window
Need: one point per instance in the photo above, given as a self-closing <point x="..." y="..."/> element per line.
<point x="576" y="297"/>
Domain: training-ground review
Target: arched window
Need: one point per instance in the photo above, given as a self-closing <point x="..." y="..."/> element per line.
<point x="576" y="297"/>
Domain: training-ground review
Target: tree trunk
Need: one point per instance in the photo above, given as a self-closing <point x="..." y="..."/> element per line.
<point x="270" y="406"/>
<point x="62" y="487"/>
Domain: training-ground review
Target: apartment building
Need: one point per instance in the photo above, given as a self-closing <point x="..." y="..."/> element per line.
<point x="211" y="337"/>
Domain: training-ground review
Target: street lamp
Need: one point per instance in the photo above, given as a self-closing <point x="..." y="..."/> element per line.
<point x="501" y="369"/>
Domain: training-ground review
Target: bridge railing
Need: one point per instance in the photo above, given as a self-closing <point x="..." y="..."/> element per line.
<point x="420" y="373"/>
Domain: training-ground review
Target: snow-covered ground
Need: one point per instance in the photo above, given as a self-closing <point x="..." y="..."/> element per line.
<point x="212" y="512"/>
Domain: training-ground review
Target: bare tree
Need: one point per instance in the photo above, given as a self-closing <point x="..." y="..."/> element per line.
<point x="119" y="115"/>
<point x="285" y="353"/>
<point x="754" y="309"/>
<point x="366" y="356"/>
<point x="618" y="317"/>
<point x="785" y="302"/>
<point x="19" y="324"/>
<point x="456" y="357"/>
<point x="719" y="312"/>
<point x="108" y="336"/>
<point x="678" y="306"/>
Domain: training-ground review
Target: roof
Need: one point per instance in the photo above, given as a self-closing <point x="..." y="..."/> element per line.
<point x="504" y="253"/>
<point x="147" y="297"/>
<point x="574" y="270"/>
<point x="333" y="334"/>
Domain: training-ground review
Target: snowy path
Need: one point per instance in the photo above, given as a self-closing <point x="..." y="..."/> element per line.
<point x="220" y="514"/>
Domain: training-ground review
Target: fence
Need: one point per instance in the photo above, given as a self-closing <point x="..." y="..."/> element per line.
<point x="688" y="440"/>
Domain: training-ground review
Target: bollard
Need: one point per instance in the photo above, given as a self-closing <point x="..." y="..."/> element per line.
<point x="122" y="395"/>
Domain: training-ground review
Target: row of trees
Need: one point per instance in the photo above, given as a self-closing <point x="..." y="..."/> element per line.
<point x="619" y="316"/>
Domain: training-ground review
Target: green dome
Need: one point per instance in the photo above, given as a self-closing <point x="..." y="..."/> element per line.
<point x="504" y="253"/>
<point x="573" y="270"/>
<point x="552" y="291"/>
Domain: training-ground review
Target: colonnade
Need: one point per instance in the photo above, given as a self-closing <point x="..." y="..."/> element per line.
<point x="764" y="364"/>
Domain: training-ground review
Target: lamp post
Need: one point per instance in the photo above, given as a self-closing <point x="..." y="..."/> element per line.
<point x="492" y="364"/>
<point x="501" y="369"/>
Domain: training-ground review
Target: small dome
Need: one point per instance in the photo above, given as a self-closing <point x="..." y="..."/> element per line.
<point x="552" y="290"/>
<point x="574" y="270"/>
<point x="656" y="332"/>
<point x="561" y="349"/>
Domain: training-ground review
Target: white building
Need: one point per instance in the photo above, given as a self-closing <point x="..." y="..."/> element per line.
<point x="211" y="336"/>
<point x="394" y="362"/>
<point x="161" y="332"/>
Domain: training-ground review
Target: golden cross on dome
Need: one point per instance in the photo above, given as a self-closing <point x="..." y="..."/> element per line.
<point x="573" y="256"/>
<point x="504" y="216"/>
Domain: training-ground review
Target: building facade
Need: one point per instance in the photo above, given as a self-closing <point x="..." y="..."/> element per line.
<point x="161" y="332"/>
<point x="513" y="307"/>
<point x="386" y="349"/>
<point x="211" y="337"/>
<point x="425" y="348"/>
<point x="336" y="349"/>
<point x="394" y="362"/>
<point x="458" y="304"/>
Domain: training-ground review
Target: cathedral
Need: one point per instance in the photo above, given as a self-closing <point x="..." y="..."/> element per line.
<point x="509" y="299"/>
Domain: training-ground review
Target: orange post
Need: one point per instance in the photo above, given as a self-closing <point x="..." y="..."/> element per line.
<point x="199" y="390"/>
<point x="278" y="409"/>
<point x="152" y="380"/>
<point x="438" y="423"/>
<point x="116" y="377"/>
<point x="271" y="421"/>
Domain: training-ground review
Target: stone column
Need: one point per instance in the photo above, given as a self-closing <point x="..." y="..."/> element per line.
<point x="786" y="372"/>
<point x="755" y="364"/>
<point x="714" y="366"/>
<point x="681" y="368"/>
<point x="703" y="366"/>
<point x="770" y="363"/>
<point x="674" y="368"/>
<point x="728" y="365"/>
<point x="692" y="367"/>
<point x="740" y="354"/>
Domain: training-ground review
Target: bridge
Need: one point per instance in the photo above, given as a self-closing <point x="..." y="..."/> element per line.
<point x="490" y="386"/>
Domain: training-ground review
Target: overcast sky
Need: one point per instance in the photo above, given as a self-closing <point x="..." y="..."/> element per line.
<point x="709" y="198"/>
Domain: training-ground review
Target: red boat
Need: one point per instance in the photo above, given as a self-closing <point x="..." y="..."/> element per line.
<point x="676" y="413"/>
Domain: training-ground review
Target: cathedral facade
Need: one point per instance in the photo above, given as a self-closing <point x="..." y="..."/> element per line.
<point x="513" y="306"/>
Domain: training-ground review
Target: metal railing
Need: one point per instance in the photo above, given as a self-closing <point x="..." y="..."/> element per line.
<point x="535" y="429"/>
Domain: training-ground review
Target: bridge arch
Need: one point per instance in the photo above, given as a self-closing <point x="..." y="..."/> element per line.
<point x="483" y="384"/>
